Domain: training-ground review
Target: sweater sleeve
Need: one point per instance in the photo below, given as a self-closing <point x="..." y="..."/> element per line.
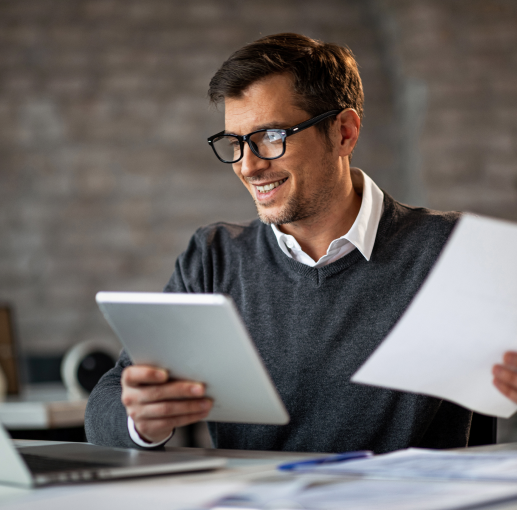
<point x="105" y="420"/>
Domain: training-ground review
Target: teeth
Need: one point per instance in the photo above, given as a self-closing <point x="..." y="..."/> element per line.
<point x="269" y="187"/>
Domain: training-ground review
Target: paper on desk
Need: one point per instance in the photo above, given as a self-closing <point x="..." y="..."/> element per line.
<point x="418" y="463"/>
<point x="459" y="324"/>
<point x="403" y="495"/>
<point x="331" y="493"/>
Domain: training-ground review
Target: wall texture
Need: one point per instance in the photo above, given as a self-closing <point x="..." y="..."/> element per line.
<point x="465" y="53"/>
<point x="104" y="167"/>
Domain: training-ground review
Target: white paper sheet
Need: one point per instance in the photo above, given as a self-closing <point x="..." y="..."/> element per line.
<point x="330" y="493"/>
<point x="403" y="495"/>
<point x="423" y="464"/>
<point x="459" y="324"/>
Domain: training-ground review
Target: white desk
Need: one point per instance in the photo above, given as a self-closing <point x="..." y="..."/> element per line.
<point x="169" y="492"/>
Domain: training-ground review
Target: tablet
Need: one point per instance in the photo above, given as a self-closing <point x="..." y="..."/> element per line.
<point x="197" y="337"/>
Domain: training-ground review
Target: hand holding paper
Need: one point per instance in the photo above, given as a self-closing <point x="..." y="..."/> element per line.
<point x="505" y="376"/>
<point x="459" y="325"/>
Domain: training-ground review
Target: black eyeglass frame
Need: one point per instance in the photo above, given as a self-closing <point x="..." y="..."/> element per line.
<point x="284" y="133"/>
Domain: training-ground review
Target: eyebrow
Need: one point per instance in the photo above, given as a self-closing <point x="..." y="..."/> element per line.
<point x="270" y="125"/>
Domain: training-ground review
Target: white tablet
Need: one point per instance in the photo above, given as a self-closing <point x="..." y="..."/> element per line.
<point x="197" y="337"/>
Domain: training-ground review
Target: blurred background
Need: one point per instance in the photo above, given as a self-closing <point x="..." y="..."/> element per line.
<point x="105" y="172"/>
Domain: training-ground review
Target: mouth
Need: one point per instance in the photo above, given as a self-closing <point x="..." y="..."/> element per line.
<point x="266" y="188"/>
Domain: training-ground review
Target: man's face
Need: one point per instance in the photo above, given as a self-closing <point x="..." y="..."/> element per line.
<point x="304" y="177"/>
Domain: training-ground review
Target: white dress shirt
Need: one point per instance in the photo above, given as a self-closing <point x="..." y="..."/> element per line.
<point x="361" y="235"/>
<point x="138" y="440"/>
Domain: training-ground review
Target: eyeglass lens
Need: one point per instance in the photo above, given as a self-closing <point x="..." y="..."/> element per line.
<point x="268" y="144"/>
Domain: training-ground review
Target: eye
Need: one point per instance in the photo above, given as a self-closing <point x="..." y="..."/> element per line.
<point x="272" y="136"/>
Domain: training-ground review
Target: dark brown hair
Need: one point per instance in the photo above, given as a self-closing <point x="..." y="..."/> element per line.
<point x="325" y="76"/>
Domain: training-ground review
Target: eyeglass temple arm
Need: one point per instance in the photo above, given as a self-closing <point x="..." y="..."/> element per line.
<point x="308" y="123"/>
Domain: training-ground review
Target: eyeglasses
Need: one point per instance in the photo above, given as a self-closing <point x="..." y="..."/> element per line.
<point x="264" y="143"/>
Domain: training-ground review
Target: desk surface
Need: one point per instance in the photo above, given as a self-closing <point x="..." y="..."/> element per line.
<point x="173" y="491"/>
<point x="243" y="467"/>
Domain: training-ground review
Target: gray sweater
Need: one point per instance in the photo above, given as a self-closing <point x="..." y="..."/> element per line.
<point x="314" y="327"/>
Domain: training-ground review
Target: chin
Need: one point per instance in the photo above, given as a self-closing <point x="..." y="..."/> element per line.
<point x="268" y="214"/>
<point x="293" y="210"/>
<point x="267" y="218"/>
<point x="279" y="217"/>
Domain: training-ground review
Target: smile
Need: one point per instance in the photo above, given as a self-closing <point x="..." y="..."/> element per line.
<point x="269" y="187"/>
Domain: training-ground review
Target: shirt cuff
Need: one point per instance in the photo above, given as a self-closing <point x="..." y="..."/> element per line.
<point x="138" y="440"/>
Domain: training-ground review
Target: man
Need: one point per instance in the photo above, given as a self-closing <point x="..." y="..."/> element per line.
<point x="319" y="280"/>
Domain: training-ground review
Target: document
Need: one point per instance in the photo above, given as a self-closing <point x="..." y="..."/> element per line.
<point x="402" y="495"/>
<point x="459" y="324"/>
<point x="423" y="464"/>
<point x="337" y="494"/>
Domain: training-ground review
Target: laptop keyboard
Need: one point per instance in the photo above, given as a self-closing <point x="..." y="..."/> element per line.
<point x="39" y="464"/>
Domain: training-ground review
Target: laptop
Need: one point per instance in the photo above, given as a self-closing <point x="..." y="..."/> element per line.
<point x="33" y="466"/>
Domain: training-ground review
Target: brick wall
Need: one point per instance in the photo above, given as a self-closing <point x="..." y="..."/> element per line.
<point x="465" y="51"/>
<point x="104" y="167"/>
<point x="105" y="170"/>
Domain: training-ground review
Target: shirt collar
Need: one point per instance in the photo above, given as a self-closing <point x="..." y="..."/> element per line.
<point x="364" y="230"/>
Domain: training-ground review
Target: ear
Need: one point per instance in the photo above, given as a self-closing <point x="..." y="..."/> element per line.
<point x="348" y="125"/>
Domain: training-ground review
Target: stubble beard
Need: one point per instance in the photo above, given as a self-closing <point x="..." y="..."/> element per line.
<point x="299" y="208"/>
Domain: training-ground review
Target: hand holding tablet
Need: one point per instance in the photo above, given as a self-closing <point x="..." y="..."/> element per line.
<point x="196" y="338"/>
<point x="158" y="405"/>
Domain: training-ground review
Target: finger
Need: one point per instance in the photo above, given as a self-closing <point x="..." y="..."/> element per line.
<point x="159" y="392"/>
<point x="137" y="375"/>
<point x="510" y="359"/>
<point x="505" y="375"/>
<point x="181" y="421"/>
<point x="158" y="429"/>
<point x="506" y="390"/>
<point x="169" y="409"/>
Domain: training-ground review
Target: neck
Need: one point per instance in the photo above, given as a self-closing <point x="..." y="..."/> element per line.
<point x="314" y="234"/>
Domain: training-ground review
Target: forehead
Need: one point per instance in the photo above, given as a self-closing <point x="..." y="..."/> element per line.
<point x="266" y="102"/>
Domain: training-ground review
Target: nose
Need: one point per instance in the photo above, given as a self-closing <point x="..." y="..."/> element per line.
<point x="250" y="164"/>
